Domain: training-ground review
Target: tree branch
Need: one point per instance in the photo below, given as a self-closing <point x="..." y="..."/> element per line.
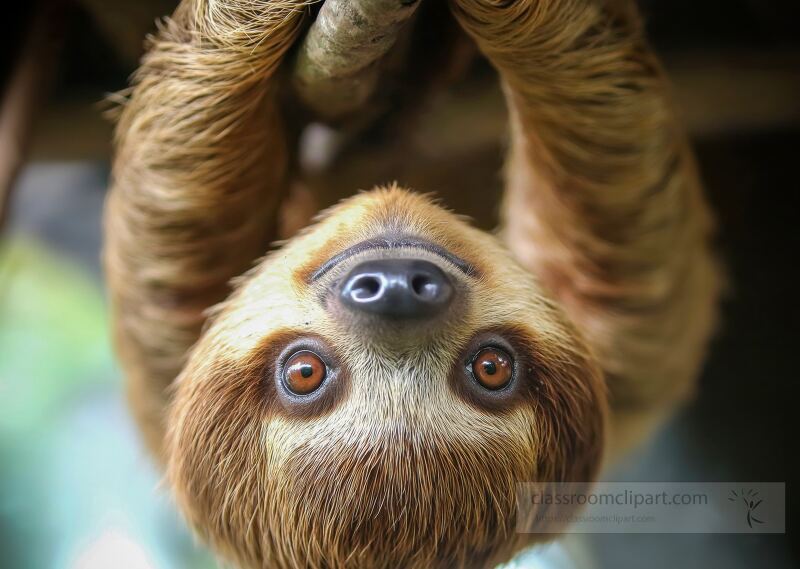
<point x="337" y="67"/>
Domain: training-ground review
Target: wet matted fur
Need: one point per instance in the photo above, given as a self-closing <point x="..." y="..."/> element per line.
<point x="600" y="283"/>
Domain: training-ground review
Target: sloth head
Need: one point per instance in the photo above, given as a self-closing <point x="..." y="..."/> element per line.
<point x="374" y="391"/>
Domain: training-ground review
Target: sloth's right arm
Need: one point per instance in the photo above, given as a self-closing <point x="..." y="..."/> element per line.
<point x="200" y="169"/>
<point x="602" y="198"/>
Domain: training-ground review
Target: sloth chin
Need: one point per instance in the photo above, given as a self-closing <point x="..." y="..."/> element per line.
<point x="372" y="394"/>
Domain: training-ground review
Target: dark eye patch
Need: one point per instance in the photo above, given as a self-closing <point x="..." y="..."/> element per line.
<point x="329" y="381"/>
<point x="471" y="378"/>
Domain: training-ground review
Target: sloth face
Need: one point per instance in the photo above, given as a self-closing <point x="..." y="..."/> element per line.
<point x="373" y="392"/>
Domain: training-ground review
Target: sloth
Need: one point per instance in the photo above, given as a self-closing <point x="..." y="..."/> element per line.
<point x="372" y="391"/>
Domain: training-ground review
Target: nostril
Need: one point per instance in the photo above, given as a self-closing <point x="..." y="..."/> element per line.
<point x="424" y="287"/>
<point x="365" y="288"/>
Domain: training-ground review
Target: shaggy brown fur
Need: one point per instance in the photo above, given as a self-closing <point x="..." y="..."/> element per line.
<point x="602" y="200"/>
<point x="200" y="168"/>
<point x="395" y="462"/>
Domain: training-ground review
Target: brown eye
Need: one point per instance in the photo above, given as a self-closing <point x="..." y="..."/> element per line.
<point x="304" y="372"/>
<point x="492" y="368"/>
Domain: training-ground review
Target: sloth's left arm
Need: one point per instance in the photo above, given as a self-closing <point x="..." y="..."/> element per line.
<point x="603" y="200"/>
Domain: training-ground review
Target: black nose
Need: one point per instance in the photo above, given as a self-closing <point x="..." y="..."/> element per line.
<point x="397" y="288"/>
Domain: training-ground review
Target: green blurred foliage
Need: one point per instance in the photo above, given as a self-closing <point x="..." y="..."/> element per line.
<point x="76" y="488"/>
<point x="54" y="338"/>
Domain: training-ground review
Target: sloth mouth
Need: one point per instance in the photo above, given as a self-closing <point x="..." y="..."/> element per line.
<point x="389" y="242"/>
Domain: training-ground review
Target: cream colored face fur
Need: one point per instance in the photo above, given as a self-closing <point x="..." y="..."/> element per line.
<point x="401" y="468"/>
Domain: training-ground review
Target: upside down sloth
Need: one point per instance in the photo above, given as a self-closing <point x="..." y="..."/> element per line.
<point x="371" y="392"/>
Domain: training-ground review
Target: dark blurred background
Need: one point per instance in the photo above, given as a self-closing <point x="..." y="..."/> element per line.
<point x="76" y="488"/>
